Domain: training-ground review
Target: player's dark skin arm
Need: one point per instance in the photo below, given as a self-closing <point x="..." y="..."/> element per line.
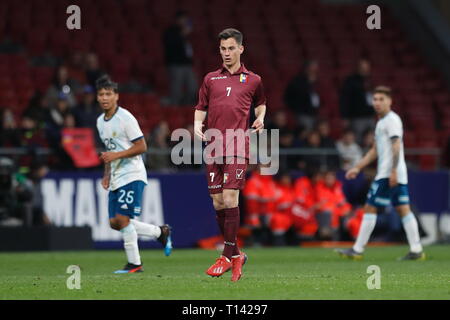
<point x="138" y="147"/>
<point x="393" y="181"/>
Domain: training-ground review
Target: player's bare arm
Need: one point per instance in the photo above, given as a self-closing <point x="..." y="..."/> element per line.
<point x="396" y="144"/>
<point x="106" y="176"/>
<point x="258" y="124"/>
<point x="138" y="147"/>
<point x="199" y="118"/>
<point x="370" y="156"/>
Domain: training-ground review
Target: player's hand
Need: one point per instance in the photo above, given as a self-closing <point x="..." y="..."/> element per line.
<point x="393" y="179"/>
<point x="198" y="130"/>
<point x="108" y="157"/>
<point x="352" y="173"/>
<point x="105" y="183"/>
<point x="258" y="125"/>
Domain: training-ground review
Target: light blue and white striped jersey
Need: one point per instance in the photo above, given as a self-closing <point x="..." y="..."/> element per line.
<point x="387" y="127"/>
<point x="118" y="133"/>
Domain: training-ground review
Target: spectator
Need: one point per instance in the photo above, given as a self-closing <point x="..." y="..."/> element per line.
<point x="75" y="67"/>
<point x="57" y="118"/>
<point x="87" y="112"/>
<point x="62" y="83"/>
<point x="93" y="71"/>
<point x="178" y="57"/>
<point x="332" y="206"/>
<point x="318" y="155"/>
<point x="15" y="195"/>
<point x="160" y="143"/>
<point x="282" y="219"/>
<point x="327" y="142"/>
<point x="323" y="128"/>
<point x="368" y="139"/>
<point x="260" y="195"/>
<point x="287" y="141"/>
<point x="69" y="121"/>
<point x="38" y="171"/>
<point x="301" y="95"/>
<point x="349" y="151"/>
<point x="9" y="133"/>
<point x="312" y="143"/>
<point x="356" y="99"/>
<point x="37" y="109"/>
<point x="278" y="121"/>
<point x="304" y="207"/>
<point x="32" y="136"/>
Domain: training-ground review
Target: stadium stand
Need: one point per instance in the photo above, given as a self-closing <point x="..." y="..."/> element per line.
<point x="127" y="39"/>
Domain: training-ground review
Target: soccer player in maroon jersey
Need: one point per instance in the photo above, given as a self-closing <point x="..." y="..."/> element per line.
<point x="225" y="99"/>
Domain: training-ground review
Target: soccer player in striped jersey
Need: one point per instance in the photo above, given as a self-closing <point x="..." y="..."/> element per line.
<point x="125" y="175"/>
<point x="391" y="182"/>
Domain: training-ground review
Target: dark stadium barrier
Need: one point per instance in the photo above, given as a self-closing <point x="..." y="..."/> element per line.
<point x="45" y="238"/>
<point x="182" y="201"/>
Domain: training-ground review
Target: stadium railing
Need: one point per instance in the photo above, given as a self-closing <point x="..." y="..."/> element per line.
<point x="436" y="153"/>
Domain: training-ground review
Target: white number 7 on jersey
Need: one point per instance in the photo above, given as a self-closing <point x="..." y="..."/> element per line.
<point x="211" y="174"/>
<point x="228" y="91"/>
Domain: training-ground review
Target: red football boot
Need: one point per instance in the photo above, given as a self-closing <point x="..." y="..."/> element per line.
<point x="221" y="266"/>
<point x="237" y="264"/>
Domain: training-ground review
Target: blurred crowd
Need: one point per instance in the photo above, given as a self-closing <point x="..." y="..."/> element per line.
<point x="70" y="102"/>
<point x="315" y="203"/>
<point x="282" y="210"/>
<point x="288" y="209"/>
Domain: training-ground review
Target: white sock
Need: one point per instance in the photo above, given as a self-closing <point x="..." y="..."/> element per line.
<point x="146" y="229"/>
<point x="130" y="243"/>
<point x="367" y="225"/>
<point x="412" y="232"/>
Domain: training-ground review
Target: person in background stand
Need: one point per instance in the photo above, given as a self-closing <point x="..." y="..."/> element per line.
<point x="179" y="59"/>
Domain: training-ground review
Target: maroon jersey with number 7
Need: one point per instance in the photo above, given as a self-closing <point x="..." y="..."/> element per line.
<point x="228" y="99"/>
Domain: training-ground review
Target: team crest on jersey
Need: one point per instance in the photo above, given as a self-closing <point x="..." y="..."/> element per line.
<point x="225" y="177"/>
<point x="114" y="134"/>
<point x="243" y="78"/>
<point x="239" y="173"/>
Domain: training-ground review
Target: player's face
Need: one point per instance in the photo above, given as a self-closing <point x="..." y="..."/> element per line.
<point x="107" y="98"/>
<point x="230" y="51"/>
<point x="381" y="103"/>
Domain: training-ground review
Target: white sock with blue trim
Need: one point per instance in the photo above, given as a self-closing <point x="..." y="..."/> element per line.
<point x="412" y="232"/>
<point x="146" y="229"/>
<point x="130" y="243"/>
<point x="367" y="225"/>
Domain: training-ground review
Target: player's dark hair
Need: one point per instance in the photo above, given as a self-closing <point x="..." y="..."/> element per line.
<point x="383" y="89"/>
<point x="105" y="82"/>
<point x="232" y="33"/>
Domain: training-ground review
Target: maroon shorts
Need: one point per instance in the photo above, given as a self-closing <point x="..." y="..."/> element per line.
<point x="226" y="175"/>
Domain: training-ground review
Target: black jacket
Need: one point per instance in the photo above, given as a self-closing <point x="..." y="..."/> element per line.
<point x="297" y="96"/>
<point x="175" y="47"/>
<point x="353" y="100"/>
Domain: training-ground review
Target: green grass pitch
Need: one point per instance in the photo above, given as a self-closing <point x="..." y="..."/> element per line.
<point x="270" y="273"/>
